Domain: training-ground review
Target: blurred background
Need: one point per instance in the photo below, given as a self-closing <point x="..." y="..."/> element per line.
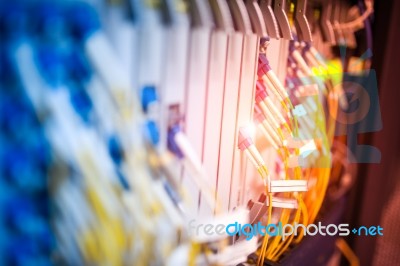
<point x="121" y="121"/>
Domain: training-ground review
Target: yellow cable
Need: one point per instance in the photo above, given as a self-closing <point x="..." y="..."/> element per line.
<point x="285" y="215"/>
<point x="347" y="252"/>
<point x="266" y="237"/>
<point x="194" y="251"/>
<point x="304" y="216"/>
<point x="285" y="244"/>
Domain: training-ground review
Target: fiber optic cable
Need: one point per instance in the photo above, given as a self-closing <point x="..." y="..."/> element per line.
<point x="246" y="145"/>
<point x="266" y="237"/>
<point x="267" y="106"/>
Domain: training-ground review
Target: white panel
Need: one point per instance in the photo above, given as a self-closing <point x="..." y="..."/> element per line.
<point x="245" y="113"/>
<point x="231" y="95"/>
<point x="196" y="100"/>
<point x="215" y="93"/>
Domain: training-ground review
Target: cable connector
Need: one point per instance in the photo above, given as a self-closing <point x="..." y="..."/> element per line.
<point x="149" y="96"/>
<point x="267" y="130"/>
<point x="84" y="20"/>
<point x="263" y="66"/>
<point x="246" y="145"/>
<point x="267" y="106"/>
<point x="245" y="140"/>
<point x="172" y="145"/>
<point x="288" y="186"/>
<point x="283" y="203"/>
<point x="153" y="132"/>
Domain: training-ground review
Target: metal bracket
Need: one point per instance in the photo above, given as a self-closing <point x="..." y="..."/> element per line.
<point x="283" y="22"/>
<point x="270" y="20"/>
<point x="328" y="34"/>
<point x="301" y="22"/>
